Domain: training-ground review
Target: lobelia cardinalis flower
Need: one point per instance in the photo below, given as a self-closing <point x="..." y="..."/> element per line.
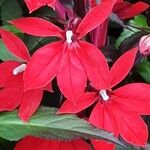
<point x="71" y="60"/>
<point x="12" y="92"/>
<point x="117" y="110"/>
<point x="30" y="143"/>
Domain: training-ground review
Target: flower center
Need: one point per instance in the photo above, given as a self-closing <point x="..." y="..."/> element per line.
<point x="19" y="69"/>
<point x="69" y="35"/>
<point x="103" y="94"/>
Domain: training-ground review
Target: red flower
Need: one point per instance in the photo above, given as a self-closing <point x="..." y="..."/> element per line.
<point x="35" y="4"/>
<point x="12" y="92"/>
<point x="118" y="110"/>
<point x="70" y="59"/>
<point x="30" y="143"/>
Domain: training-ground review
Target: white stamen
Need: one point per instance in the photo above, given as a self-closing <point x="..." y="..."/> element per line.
<point x="69" y="35"/>
<point x="104" y="95"/>
<point x="19" y="69"/>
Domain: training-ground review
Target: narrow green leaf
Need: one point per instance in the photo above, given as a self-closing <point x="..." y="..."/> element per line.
<point x="133" y="148"/>
<point x="140" y="21"/>
<point x="124" y="35"/>
<point x="132" y="30"/>
<point x="45" y="123"/>
<point x="12" y="29"/>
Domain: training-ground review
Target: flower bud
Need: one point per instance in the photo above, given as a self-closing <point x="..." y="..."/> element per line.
<point x="144" y="45"/>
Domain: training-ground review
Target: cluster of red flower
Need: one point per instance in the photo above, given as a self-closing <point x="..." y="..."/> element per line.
<point x="73" y="62"/>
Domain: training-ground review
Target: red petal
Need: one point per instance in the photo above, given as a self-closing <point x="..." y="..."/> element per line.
<point x="118" y="1"/>
<point x="76" y="144"/>
<point x="35" y="4"/>
<point x="95" y="65"/>
<point x="98" y="14"/>
<point x="10" y="96"/>
<point x="102" y="145"/>
<point x="71" y="75"/>
<point x="9" y="103"/>
<point x="134" y="97"/>
<point x="51" y="3"/>
<point x="43" y="66"/>
<point x="92" y="3"/>
<point x="37" y="26"/>
<point x="120" y="5"/>
<point x="30" y="143"/>
<point x="6" y="71"/>
<point x="15" y="45"/>
<point x="122" y="66"/>
<point x="133" y="129"/>
<point x="130" y="10"/>
<point x="30" y="102"/>
<point x="84" y="102"/>
<point x="103" y="117"/>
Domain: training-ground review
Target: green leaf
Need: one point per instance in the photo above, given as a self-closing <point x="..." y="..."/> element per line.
<point x="132" y="29"/>
<point x="124" y="35"/>
<point x="12" y="29"/>
<point x="5" y="54"/>
<point x="46" y="124"/>
<point x="144" y="70"/>
<point x="10" y="10"/>
<point x="128" y="148"/>
<point x="33" y="42"/>
<point x="140" y="21"/>
<point x="133" y="148"/>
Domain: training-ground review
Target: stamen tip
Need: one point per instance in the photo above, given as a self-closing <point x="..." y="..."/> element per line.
<point x="69" y="35"/>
